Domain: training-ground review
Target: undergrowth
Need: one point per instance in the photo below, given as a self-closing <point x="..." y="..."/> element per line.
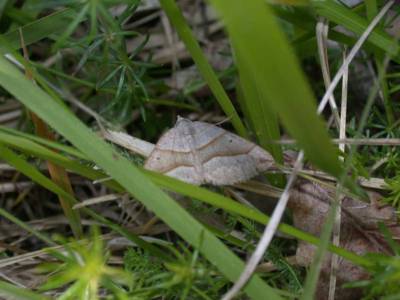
<point x="119" y="65"/>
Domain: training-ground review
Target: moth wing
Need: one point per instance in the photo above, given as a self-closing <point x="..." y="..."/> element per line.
<point x="227" y="170"/>
<point x="198" y="152"/>
<point x="231" y="159"/>
<point x="172" y="157"/>
<point x="203" y="133"/>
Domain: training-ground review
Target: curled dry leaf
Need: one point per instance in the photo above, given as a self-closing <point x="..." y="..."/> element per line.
<point x="359" y="233"/>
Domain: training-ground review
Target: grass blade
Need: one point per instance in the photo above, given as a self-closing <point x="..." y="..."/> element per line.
<point x="339" y="14"/>
<point x="264" y="121"/>
<point x="278" y="77"/>
<point x="177" y="19"/>
<point x="16" y="292"/>
<point x="129" y="177"/>
<point x="173" y="185"/>
<point x="26" y="227"/>
<point x="39" y="29"/>
<point x="30" y="171"/>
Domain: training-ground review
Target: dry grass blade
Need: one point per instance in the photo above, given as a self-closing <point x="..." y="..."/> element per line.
<point x="350" y="141"/>
<point x="338" y="219"/>
<point x="322" y="30"/>
<point x="10" y="187"/>
<point x="268" y="233"/>
<point x="97" y="200"/>
<point x="356" y="48"/>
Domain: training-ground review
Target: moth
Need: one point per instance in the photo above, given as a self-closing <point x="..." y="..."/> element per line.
<point x="203" y="153"/>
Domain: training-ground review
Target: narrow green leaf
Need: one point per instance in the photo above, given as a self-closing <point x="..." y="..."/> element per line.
<point x="27" y="169"/>
<point x="186" y="35"/>
<point x="177" y="186"/>
<point x="39" y="29"/>
<point x="266" y="55"/>
<point x="234" y="207"/>
<point x="71" y="26"/>
<point x="371" y="8"/>
<point x="11" y="291"/>
<point x="313" y="275"/>
<point x="23" y="225"/>
<point x="51" y="144"/>
<point x="125" y="173"/>
<point x="264" y="121"/>
<point x="339" y="14"/>
<point x="30" y="171"/>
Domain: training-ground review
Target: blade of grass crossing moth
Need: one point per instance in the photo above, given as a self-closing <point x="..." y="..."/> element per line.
<point x="173" y="185"/>
<point x="175" y="16"/>
<point x="266" y="54"/>
<point x="228" y="204"/>
<point x="126" y="174"/>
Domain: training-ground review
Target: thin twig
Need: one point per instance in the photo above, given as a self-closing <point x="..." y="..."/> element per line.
<point x="10" y="116"/>
<point x="351" y="141"/>
<point x="97" y="200"/>
<point x="268" y="233"/>
<point x="10" y="187"/>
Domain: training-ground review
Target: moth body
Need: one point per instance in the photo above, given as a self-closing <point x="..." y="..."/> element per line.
<point x="202" y="153"/>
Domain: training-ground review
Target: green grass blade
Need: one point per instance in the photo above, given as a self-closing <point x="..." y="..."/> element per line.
<point x="71" y="26"/>
<point x="24" y="167"/>
<point x="39" y="29"/>
<point x="11" y="291"/>
<point x="371" y="8"/>
<point x="31" y="147"/>
<point x="186" y="35"/>
<point x="313" y="275"/>
<point x="339" y="14"/>
<point x="173" y="185"/>
<point x="234" y="207"/>
<point x="23" y="225"/>
<point x="264" y="121"/>
<point x="266" y="54"/>
<point x="51" y="144"/>
<point x="129" y="177"/>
